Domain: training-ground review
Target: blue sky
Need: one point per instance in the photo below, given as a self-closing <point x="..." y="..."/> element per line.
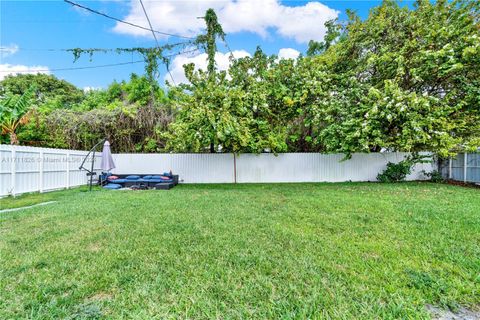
<point x="30" y="28"/>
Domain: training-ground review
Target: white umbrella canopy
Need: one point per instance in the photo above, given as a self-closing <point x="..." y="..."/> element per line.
<point x="107" y="160"/>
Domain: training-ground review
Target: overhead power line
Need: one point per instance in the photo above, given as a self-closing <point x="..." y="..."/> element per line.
<point x="228" y="48"/>
<point x="156" y="40"/>
<point x="149" y="23"/>
<point x="125" y="22"/>
<point x="75" y="68"/>
<point x="97" y="66"/>
<point x="116" y="50"/>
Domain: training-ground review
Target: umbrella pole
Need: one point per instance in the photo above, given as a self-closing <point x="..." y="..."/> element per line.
<point x="91" y="171"/>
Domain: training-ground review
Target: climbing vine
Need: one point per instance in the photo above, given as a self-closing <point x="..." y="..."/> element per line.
<point x="208" y="40"/>
<point x="152" y="55"/>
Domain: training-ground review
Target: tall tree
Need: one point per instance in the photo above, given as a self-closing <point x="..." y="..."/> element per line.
<point x="403" y="80"/>
<point x="56" y="92"/>
<point x="209" y="42"/>
<point x="217" y="113"/>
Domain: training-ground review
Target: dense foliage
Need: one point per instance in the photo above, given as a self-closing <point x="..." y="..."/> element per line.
<point x="123" y="113"/>
<point x="395" y="81"/>
<point x="396" y="172"/>
<point x="54" y="93"/>
<point x="407" y="80"/>
<point x="401" y="80"/>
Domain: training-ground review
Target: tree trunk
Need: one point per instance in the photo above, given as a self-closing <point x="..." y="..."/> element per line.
<point x="13" y="138"/>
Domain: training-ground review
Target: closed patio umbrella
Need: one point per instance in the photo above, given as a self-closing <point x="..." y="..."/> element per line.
<point x="107" y="160"/>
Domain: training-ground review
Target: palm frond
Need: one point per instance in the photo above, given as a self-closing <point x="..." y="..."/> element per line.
<point x="22" y="104"/>
<point x="15" y="111"/>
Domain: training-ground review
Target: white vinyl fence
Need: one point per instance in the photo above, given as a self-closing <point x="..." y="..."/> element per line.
<point x="30" y="169"/>
<point x="251" y="168"/>
<point x="463" y="167"/>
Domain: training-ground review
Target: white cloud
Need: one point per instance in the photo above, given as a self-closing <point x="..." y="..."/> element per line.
<point x="8" y="50"/>
<point x="301" y="23"/>
<point x="7" y="69"/>
<point x="288" y="53"/>
<point x="88" y="89"/>
<point x="200" y="61"/>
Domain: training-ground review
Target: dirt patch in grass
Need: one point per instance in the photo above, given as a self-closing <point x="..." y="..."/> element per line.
<point x="94" y="247"/>
<point x="460" y="314"/>
<point x="100" y="296"/>
<point x="464" y="184"/>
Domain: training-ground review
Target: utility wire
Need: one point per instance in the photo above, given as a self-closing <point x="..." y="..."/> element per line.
<point x="149" y="23"/>
<point x="156" y="40"/>
<point x="228" y="48"/>
<point x="75" y="68"/>
<point x="2" y="49"/>
<point x="94" y="67"/>
<point x="125" y="22"/>
<point x="180" y="53"/>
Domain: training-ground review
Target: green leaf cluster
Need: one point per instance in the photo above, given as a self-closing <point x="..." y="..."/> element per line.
<point x="403" y="79"/>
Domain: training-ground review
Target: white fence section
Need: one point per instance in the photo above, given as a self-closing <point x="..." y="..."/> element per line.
<point x="463" y="167"/>
<point x="315" y="167"/>
<point x="30" y="169"/>
<point x="192" y="168"/>
<point x="251" y="168"/>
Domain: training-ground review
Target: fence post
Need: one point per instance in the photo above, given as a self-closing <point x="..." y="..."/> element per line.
<point x="234" y="168"/>
<point x="40" y="169"/>
<point x="13" y="169"/>
<point x="465" y="155"/>
<point x="68" y="169"/>
<point x="450" y="168"/>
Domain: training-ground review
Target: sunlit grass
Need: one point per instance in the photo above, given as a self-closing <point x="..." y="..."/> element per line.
<point x="29" y="199"/>
<point x="243" y="251"/>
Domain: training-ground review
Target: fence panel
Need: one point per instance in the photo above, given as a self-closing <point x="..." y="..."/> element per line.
<point x="29" y="169"/>
<point x="457" y="172"/>
<point x="5" y="171"/>
<point x="473" y="167"/>
<point x="246" y="168"/>
<point x="315" y="167"/>
<point x="192" y="168"/>
<point x="463" y="167"/>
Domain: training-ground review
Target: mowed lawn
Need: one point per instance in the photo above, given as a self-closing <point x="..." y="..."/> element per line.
<point x="279" y="251"/>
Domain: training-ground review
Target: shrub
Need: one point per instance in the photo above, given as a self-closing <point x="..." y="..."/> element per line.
<point x="434" y="176"/>
<point x="396" y="172"/>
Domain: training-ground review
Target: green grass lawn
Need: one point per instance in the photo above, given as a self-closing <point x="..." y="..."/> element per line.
<point x="342" y="251"/>
<point x="30" y="199"/>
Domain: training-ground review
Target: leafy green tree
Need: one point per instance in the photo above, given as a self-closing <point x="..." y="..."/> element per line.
<point x="218" y="114"/>
<point x="53" y="92"/>
<point x="402" y="80"/>
<point x="214" y="114"/>
<point x="138" y="90"/>
<point x="334" y="31"/>
<point x="275" y="90"/>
